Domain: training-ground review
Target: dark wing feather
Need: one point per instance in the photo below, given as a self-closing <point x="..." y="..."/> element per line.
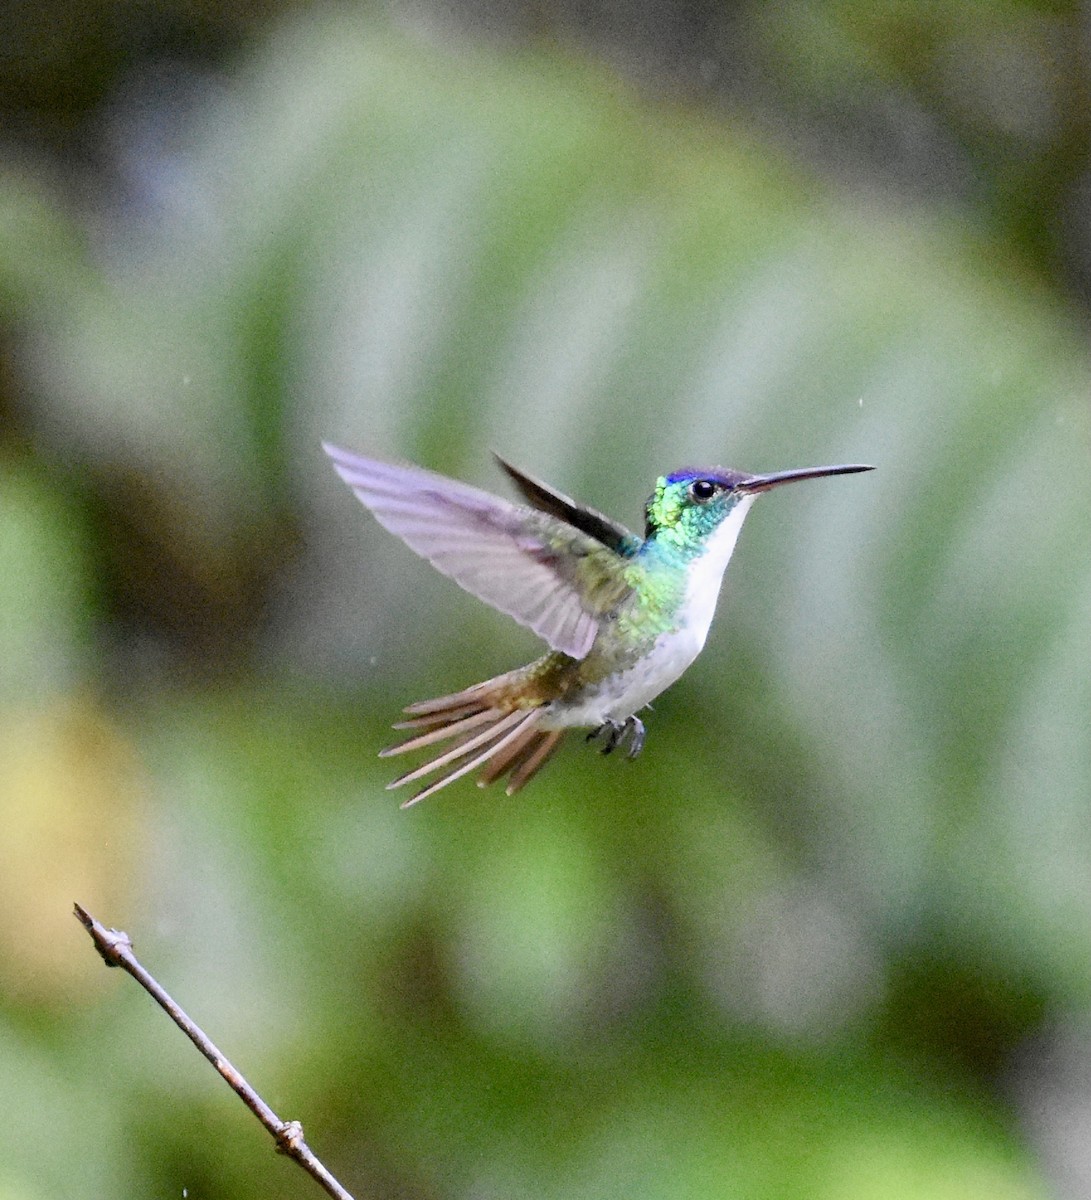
<point x="547" y="499"/>
<point x="537" y="568"/>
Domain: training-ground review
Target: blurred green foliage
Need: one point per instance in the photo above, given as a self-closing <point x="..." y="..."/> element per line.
<point x="806" y="945"/>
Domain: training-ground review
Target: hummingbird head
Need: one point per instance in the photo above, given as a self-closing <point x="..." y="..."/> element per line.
<point x="690" y="505"/>
<point x="687" y="506"/>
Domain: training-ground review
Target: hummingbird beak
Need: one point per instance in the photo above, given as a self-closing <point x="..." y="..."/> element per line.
<point x="763" y="483"/>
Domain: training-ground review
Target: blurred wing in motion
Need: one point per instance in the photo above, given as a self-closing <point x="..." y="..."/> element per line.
<point x="532" y="565"/>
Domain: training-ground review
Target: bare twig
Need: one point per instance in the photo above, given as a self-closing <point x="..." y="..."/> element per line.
<point x="117" y="951"/>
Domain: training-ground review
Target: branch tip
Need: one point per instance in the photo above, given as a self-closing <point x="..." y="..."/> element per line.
<point x="113" y="945"/>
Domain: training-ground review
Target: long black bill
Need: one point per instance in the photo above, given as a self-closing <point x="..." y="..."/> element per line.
<point x="762" y="483"/>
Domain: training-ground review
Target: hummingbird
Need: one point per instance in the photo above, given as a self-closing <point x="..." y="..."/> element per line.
<point x="623" y="615"/>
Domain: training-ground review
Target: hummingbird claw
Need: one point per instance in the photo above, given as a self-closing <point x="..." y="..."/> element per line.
<point x="614" y="733"/>
<point x="636" y="730"/>
<point x="611" y="733"/>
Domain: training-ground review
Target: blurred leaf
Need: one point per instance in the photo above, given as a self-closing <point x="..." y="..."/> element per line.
<point x="46" y="597"/>
<point x="70" y="797"/>
<point x="43" y="253"/>
<point x="60" y="1116"/>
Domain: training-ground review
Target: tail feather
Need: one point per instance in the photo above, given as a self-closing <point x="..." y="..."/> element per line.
<point x="462" y="748"/>
<point x="488" y="732"/>
<point x="523" y="720"/>
<point x="480" y="692"/>
<point x="440" y="718"/>
<point x="510" y="758"/>
<point x="535" y="761"/>
<point x="440" y="734"/>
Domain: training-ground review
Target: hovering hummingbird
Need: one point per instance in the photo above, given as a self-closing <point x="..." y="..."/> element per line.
<point x="624" y="615"/>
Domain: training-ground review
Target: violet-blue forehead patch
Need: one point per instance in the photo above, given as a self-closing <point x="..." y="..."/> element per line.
<point x="721" y="475"/>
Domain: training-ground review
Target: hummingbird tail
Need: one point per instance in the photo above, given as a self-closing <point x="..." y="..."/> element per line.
<point x="501" y="739"/>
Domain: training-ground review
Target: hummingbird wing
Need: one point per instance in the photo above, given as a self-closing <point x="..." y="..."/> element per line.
<point x="532" y="565"/>
<point x="547" y="499"/>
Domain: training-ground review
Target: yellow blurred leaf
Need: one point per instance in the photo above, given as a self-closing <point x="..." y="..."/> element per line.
<point x="69" y="805"/>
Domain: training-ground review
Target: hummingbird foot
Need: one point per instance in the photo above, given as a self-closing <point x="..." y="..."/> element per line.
<point x="636" y="735"/>
<point x="615" y="732"/>
<point x="610" y="732"/>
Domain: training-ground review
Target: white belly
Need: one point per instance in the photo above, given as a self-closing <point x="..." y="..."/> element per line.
<point x="625" y="693"/>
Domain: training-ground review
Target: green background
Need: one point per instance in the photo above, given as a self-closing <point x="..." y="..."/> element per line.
<point x="829" y="936"/>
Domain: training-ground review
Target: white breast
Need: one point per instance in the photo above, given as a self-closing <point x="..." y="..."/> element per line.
<point x="706" y="574"/>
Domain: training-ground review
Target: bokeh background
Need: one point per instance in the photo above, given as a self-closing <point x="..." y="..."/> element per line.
<point x="830" y="937"/>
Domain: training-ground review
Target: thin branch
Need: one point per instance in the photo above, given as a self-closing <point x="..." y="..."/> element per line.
<point x="116" y="949"/>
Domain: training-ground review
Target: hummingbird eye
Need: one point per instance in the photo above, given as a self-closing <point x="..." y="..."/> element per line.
<point x="702" y="490"/>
